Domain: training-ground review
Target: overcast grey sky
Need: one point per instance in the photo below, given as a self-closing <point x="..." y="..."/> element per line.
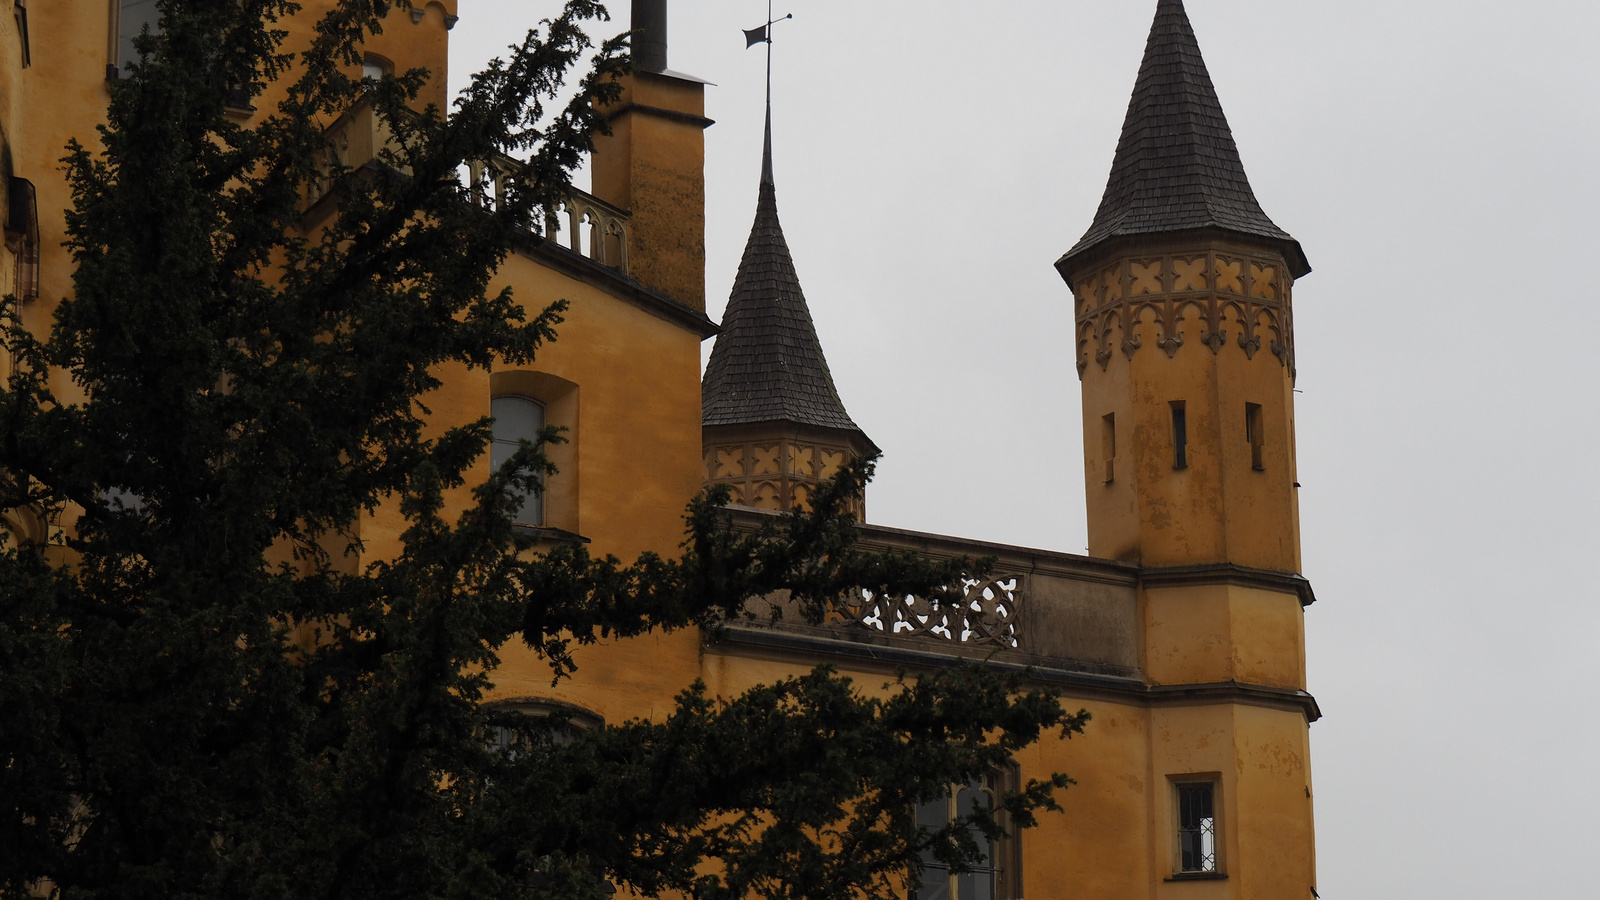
<point x="1438" y="161"/>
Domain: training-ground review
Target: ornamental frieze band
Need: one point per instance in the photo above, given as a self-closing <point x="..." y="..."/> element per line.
<point x="1228" y="296"/>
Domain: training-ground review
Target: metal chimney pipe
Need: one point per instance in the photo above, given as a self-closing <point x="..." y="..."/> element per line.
<point x="650" y="35"/>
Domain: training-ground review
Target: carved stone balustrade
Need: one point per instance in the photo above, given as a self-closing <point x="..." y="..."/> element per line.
<point x="583" y="223"/>
<point x="983" y="612"/>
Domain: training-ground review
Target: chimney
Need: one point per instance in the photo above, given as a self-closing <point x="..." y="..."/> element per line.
<point x="653" y="165"/>
<point x="650" y="35"/>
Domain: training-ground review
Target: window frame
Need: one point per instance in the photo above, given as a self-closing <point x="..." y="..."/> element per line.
<point x="561" y="407"/>
<point x="1180" y="434"/>
<point x="115" y="64"/>
<point x="383" y="64"/>
<point x="19" y="11"/>
<point x="1254" y="426"/>
<point x="22" y="237"/>
<point x="579" y="720"/>
<point x="538" y="497"/>
<point x="1108" y="445"/>
<point x="1213" y="782"/>
<point x="1005" y="853"/>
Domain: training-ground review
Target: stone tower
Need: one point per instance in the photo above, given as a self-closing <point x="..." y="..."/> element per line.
<point x="1185" y="347"/>
<point x="772" y="423"/>
<point x="1184" y="337"/>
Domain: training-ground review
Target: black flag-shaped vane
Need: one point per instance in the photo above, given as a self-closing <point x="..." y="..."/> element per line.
<point x="762" y="35"/>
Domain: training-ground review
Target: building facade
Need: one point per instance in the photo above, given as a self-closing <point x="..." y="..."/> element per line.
<point x="1182" y="630"/>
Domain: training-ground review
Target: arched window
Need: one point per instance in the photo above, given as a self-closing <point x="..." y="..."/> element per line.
<point x="517" y="419"/>
<point x="375" y="67"/>
<point x="996" y="876"/>
<point x="513" y="723"/>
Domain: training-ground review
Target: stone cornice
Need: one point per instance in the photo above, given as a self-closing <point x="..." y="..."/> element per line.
<point x="689" y="118"/>
<point x="1228" y="573"/>
<point x="1114" y="688"/>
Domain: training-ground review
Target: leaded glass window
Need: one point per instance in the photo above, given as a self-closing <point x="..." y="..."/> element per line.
<point x="937" y="882"/>
<point x="1197" y="827"/>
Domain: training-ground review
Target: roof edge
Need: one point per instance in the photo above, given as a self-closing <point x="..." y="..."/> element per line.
<point x="798" y="429"/>
<point x="1084" y="255"/>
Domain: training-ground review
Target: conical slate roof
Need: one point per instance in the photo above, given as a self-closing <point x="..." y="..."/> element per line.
<point x="1177" y="167"/>
<point x="767" y="364"/>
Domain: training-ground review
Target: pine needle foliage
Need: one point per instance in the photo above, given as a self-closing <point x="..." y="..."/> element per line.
<point x="201" y="697"/>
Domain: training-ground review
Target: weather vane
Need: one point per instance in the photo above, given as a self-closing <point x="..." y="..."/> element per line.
<point x="752" y="37"/>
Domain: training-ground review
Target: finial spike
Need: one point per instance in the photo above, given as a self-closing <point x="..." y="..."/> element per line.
<point x="766" y="150"/>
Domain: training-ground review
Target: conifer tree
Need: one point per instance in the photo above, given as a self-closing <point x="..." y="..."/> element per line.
<point x="200" y="697"/>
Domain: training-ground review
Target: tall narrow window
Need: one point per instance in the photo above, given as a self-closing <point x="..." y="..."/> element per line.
<point x="1108" y="444"/>
<point x="517" y="419"/>
<point x="21" y="13"/>
<point x="1180" y="436"/>
<point x="1197" y="827"/>
<point x="1252" y="433"/>
<point x="993" y="877"/>
<point x="22" y="238"/>
<point x="132" y="17"/>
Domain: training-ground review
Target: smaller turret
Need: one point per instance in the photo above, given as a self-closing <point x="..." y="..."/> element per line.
<point x="772" y="422"/>
<point x="1185" y="336"/>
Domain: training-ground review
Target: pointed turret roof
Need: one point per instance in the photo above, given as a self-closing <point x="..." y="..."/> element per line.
<point x="1177" y="167"/>
<point x="767" y="364"/>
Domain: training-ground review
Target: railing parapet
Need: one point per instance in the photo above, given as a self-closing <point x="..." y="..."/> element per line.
<point x="986" y="612"/>
<point x="583" y="223"/>
<point x="1033" y="607"/>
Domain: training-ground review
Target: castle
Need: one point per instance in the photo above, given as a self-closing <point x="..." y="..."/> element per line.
<point x="1181" y="631"/>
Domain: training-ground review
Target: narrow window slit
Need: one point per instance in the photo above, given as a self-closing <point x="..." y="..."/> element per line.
<point x="1180" y="436"/>
<point x="1252" y="433"/>
<point x="1108" y="444"/>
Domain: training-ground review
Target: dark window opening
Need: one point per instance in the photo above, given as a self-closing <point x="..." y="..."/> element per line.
<point x="22" y="32"/>
<point x="1197" y="828"/>
<point x="1108" y="444"/>
<point x="1180" y="435"/>
<point x="1252" y="433"/>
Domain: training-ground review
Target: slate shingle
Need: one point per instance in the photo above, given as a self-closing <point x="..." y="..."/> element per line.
<point x="1177" y="167"/>
<point x="767" y="364"/>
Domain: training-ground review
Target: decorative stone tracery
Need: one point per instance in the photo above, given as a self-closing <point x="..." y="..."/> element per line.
<point x="985" y="614"/>
<point x="774" y="474"/>
<point x="1211" y="297"/>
